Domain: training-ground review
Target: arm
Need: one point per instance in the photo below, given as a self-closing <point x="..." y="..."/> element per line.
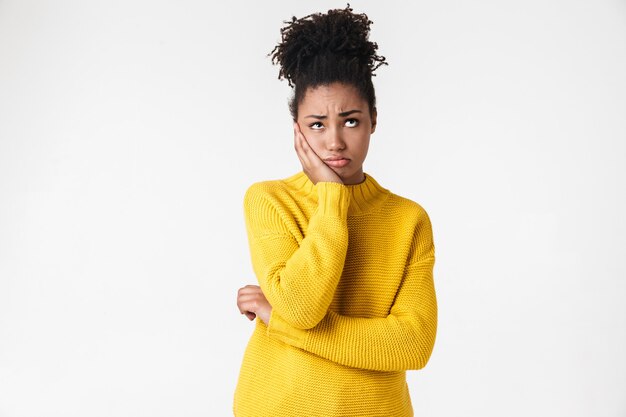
<point x="298" y="279"/>
<point x="403" y="340"/>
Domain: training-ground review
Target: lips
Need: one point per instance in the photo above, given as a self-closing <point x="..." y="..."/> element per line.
<point x="337" y="162"/>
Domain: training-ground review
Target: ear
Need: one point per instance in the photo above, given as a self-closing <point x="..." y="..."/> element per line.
<point x="374" y="117"/>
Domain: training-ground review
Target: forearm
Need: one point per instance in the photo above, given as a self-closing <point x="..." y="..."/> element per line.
<point x="381" y="344"/>
<point x="403" y="340"/>
<point x="299" y="280"/>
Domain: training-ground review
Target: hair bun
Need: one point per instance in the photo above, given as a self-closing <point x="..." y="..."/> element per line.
<point x="338" y="35"/>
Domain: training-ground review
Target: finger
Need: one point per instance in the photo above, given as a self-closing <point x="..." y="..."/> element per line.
<point x="249" y="304"/>
<point x="305" y="154"/>
<point x="245" y="308"/>
<point x="252" y="286"/>
<point x="298" y="146"/>
<point x="301" y="139"/>
<point x="251" y="316"/>
<point x="296" y="128"/>
<point x="249" y="286"/>
<point x="249" y="289"/>
<point x="304" y="143"/>
<point x="307" y="149"/>
<point x="242" y="298"/>
<point x="303" y="161"/>
<point x="242" y="310"/>
<point x="249" y="296"/>
<point x="299" y="131"/>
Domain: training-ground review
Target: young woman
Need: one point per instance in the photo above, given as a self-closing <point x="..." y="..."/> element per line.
<point x="346" y="302"/>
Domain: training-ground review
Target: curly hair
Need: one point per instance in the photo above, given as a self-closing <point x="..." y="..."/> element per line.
<point x="320" y="49"/>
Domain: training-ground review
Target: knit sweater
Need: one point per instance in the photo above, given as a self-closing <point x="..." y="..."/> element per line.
<point x="348" y="270"/>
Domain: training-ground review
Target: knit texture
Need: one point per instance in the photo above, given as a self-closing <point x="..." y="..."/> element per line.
<point x="348" y="270"/>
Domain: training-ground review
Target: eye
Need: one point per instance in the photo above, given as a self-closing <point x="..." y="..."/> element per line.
<point x="352" y="122"/>
<point x="316" y="125"/>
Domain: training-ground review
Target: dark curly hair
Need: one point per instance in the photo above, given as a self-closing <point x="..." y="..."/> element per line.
<point x="320" y="49"/>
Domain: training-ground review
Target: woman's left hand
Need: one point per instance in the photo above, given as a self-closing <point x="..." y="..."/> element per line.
<point x="252" y="302"/>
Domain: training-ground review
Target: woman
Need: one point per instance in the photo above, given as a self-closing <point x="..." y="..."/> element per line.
<point x="346" y="302"/>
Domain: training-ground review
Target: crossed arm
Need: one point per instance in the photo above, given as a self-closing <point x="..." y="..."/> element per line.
<point x="297" y="279"/>
<point x="299" y="315"/>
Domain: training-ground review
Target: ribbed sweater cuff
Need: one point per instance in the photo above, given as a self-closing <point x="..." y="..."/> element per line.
<point x="333" y="198"/>
<point x="281" y="330"/>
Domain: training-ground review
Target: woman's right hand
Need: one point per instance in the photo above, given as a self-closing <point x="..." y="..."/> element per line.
<point x="252" y="302"/>
<point x="312" y="165"/>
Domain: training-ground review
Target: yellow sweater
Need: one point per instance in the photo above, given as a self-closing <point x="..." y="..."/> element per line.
<point x="348" y="270"/>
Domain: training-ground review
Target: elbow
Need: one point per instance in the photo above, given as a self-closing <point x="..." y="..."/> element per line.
<point x="300" y="311"/>
<point x="422" y="356"/>
<point x="419" y="357"/>
<point x="423" y="345"/>
<point x="295" y="311"/>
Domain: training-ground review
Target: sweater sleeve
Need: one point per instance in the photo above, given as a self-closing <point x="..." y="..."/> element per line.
<point x="298" y="278"/>
<point x="402" y="340"/>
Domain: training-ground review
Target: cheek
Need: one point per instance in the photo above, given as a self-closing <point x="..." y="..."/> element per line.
<point x="360" y="142"/>
<point x="363" y="149"/>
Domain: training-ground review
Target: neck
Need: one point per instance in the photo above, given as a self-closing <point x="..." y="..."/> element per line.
<point x="357" y="178"/>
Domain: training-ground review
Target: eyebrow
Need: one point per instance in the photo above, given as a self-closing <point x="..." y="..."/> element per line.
<point x="342" y="114"/>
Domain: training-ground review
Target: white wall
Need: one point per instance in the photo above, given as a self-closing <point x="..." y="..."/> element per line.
<point x="129" y="131"/>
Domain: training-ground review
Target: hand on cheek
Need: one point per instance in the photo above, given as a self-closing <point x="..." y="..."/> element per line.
<point x="312" y="165"/>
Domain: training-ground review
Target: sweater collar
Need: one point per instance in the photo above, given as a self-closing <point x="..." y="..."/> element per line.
<point x="364" y="196"/>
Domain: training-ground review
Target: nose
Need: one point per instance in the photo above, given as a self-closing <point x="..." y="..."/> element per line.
<point x="334" y="140"/>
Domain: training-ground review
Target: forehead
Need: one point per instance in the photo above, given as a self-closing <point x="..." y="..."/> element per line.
<point x="335" y="97"/>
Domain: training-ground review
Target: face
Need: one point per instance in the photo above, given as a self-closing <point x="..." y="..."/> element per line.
<point x="336" y="122"/>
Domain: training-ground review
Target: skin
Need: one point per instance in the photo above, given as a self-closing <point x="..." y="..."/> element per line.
<point x="333" y="120"/>
<point x="324" y="128"/>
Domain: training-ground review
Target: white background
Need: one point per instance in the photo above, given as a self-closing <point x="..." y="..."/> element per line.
<point x="130" y="130"/>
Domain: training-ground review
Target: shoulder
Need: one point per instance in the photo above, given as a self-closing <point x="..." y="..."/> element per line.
<point x="268" y="206"/>
<point x="408" y="207"/>
<point x="266" y="192"/>
<point x="273" y="195"/>
<point x="416" y="219"/>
